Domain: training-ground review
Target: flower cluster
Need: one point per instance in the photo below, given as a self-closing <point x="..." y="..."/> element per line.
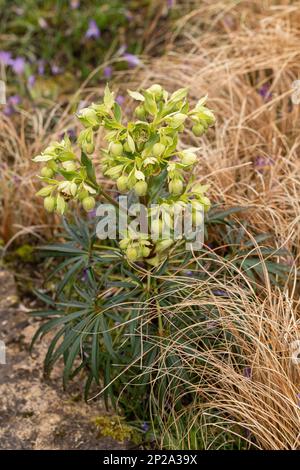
<point x="66" y="178"/>
<point x="141" y="156"/>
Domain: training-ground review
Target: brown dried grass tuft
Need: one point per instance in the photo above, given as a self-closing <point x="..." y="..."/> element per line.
<point x="241" y="385"/>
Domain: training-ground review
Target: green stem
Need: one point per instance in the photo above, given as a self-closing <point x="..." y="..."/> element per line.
<point x="104" y="247"/>
<point x="109" y="198"/>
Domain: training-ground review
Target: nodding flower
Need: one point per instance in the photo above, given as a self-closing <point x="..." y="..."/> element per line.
<point x="31" y="81"/>
<point x="264" y="92"/>
<point x="5" y="58"/>
<point x="262" y="162"/>
<point x="120" y="99"/>
<point x="107" y="72"/>
<point x="55" y="69"/>
<point x="74" y="4"/>
<point x="41" y="67"/>
<point x="131" y="59"/>
<point x="93" y="32"/>
<point x="247" y="372"/>
<point x="12" y="102"/>
<point x="145" y="427"/>
<point x="18" y="65"/>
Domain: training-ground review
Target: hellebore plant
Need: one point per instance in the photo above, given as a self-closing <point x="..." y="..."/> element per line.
<point x="141" y="157"/>
<point x="114" y="311"/>
<point x="107" y="285"/>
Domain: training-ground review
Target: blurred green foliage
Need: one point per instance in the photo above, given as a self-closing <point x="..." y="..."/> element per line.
<point x="67" y="39"/>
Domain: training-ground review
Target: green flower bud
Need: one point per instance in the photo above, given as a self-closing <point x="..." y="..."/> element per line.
<point x="177" y="120"/>
<point x="188" y="157"/>
<point x="206" y="203"/>
<point x="145" y="251"/>
<point x="158" y="149"/>
<point x="83" y="193"/>
<point x="175" y="186"/>
<point x="156" y="227"/>
<point x="156" y="90"/>
<point x="122" y="183"/>
<point x="127" y="148"/>
<point x="197" y="218"/>
<point x="132" y="254"/>
<point x="115" y="171"/>
<point x="124" y="243"/>
<point x="140" y="112"/>
<point x="49" y="203"/>
<point x="88" y="117"/>
<point x="197" y="214"/>
<point x="69" y="166"/>
<point x="140" y="188"/>
<point x="46" y="191"/>
<point x="73" y="189"/>
<point x="88" y="203"/>
<point x="52" y="165"/>
<point x="163" y="245"/>
<point x="198" y="130"/>
<point x="196" y="205"/>
<point x="47" y="172"/>
<point x="209" y="118"/>
<point x="154" y="261"/>
<point x="116" y="149"/>
<point x="88" y="147"/>
<point x="60" y="204"/>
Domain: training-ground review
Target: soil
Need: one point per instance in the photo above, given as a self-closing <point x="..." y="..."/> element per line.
<point x="34" y="413"/>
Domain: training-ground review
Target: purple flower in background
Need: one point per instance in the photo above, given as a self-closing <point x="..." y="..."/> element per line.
<point x="8" y="110"/>
<point x="71" y="133"/>
<point x="84" y="276"/>
<point x="31" y="81"/>
<point x="220" y="293"/>
<point x="107" y="72"/>
<point x="5" y="58"/>
<point x="55" y="69"/>
<point x="93" y="32"/>
<point x="16" y="179"/>
<point x="264" y="92"/>
<point x="92" y="214"/>
<point x="229" y="21"/>
<point x="247" y="372"/>
<point x="170" y="3"/>
<point x="12" y="102"/>
<point x="128" y="15"/>
<point x="120" y="99"/>
<point x="212" y="325"/>
<point x="43" y="23"/>
<point x="74" y="4"/>
<point x="145" y="427"/>
<point x="131" y="59"/>
<point x="41" y="67"/>
<point x="261" y="162"/>
<point x="18" y="65"/>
